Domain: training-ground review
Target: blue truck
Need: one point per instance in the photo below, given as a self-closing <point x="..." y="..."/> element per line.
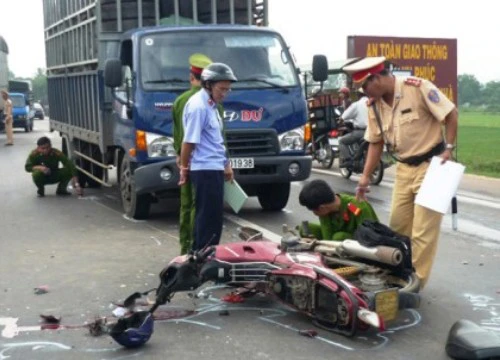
<point x="21" y="111"/>
<point x="115" y="68"/>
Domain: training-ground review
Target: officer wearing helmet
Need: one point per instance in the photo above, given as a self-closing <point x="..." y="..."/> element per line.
<point x="197" y="63"/>
<point x="204" y="158"/>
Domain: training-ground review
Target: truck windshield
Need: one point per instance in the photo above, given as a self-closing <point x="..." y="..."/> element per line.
<point x="18" y="101"/>
<point x="257" y="58"/>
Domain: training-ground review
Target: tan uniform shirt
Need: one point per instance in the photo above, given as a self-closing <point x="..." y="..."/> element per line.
<point x="413" y="124"/>
<point x="8" y="111"/>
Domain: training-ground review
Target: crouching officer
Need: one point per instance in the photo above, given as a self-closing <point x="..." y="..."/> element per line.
<point x="43" y="164"/>
<point x="339" y="214"/>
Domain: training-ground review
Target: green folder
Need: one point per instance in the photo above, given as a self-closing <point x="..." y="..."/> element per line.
<point x="234" y="195"/>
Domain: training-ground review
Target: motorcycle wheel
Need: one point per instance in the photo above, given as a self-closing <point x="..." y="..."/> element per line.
<point x="345" y="172"/>
<point x="327" y="162"/>
<point x="378" y="174"/>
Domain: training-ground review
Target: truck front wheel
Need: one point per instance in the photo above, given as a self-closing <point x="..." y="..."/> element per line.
<point x="134" y="205"/>
<point x="273" y="197"/>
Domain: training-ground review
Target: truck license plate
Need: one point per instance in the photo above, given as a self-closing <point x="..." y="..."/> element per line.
<point x="387" y="304"/>
<point x="242" y="163"/>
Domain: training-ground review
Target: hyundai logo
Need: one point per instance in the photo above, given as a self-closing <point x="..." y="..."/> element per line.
<point x="231" y="116"/>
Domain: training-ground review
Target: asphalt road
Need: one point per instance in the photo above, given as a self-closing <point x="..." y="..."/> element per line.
<point x="89" y="256"/>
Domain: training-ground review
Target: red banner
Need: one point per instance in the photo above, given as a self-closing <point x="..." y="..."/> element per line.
<point x="431" y="59"/>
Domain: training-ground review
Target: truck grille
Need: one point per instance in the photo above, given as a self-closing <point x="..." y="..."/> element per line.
<point x="249" y="142"/>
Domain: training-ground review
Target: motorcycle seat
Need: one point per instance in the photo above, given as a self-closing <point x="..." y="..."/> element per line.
<point x="467" y="340"/>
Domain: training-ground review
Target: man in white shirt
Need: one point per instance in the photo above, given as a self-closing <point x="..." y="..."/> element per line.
<point x="357" y="114"/>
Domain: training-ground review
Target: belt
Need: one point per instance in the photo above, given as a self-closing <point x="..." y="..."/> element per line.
<point x="419" y="159"/>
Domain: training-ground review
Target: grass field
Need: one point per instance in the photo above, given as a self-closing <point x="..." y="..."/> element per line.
<point x="478" y="143"/>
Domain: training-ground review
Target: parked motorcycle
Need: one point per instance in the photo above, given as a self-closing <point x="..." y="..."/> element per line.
<point x="323" y="146"/>
<point x="343" y="287"/>
<point x="359" y="152"/>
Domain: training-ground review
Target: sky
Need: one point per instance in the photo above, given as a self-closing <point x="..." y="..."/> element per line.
<point x="316" y="27"/>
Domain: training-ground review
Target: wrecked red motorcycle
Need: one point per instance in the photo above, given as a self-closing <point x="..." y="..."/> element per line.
<point x="342" y="286"/>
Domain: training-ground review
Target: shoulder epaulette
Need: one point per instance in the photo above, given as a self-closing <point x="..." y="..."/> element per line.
<point x="354" y="209"/>
<point x="412" y="81"/>
<point x="56" y="152"/>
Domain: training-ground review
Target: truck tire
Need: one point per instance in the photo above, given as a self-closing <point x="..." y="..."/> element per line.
<point x="135" y="206"/>
<point x="273" y="197"/>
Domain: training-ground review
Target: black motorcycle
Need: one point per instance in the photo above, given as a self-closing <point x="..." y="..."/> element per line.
<point x="359" y="151"/>
<point x="323" y="146"/>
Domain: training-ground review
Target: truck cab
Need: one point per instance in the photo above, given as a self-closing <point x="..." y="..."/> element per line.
<point x="112" y="101"/>
<point x="21" y="112"/>
<point x="264" y="113"/>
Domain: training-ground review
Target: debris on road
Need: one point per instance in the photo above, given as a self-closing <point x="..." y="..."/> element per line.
<point x="233" y="298"/>
<point x="41" y="290"/>
<point x="98" y="327"/>
<point x="50" y="319"/>
<point x="309" y="333"/>
<point x="224" y="313"/>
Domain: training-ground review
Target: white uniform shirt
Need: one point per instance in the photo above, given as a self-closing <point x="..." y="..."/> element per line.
<point x="358" y="113"/>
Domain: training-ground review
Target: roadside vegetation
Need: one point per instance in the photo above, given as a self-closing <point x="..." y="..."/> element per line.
<point x="478" y="143"/>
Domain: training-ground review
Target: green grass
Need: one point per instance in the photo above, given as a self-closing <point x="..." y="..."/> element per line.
<point x="478" y="143"/>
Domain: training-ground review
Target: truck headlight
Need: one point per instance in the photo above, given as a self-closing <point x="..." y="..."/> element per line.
<point x="160" y="145"/>
<point x="292" y="140"/>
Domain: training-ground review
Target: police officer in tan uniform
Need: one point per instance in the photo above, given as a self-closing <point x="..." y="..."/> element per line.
<point x="8" y="119"/>
<point x="407" y="114"/>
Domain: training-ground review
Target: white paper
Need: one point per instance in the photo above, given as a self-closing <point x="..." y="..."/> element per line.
<point x="440" y="185"/>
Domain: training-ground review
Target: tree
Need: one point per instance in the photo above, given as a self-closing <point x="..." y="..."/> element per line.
<point x="469" y="90"/>
<point x="12" y="76"/>
<point x="40" y="86"/>
<point x="490" y="95"/>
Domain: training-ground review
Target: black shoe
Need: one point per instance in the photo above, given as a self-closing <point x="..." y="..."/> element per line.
<point x="41" y="192"/>
<point x="9" y="144"/>
<point x="63" y="193"/>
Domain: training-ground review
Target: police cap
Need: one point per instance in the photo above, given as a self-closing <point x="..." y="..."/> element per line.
<point x="198" y="62"/>
<point x="362" y="69"/>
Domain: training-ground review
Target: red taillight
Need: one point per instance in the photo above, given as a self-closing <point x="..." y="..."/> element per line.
<point x="333" y="133"/>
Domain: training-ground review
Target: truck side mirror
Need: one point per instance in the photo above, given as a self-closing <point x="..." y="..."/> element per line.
<point x="113" y="73"/>
<point x="320" y="68"/>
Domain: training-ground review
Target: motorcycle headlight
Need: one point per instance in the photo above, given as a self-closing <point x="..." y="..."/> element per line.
<point x="292" y="140"/>
<point x="160" y="145"/>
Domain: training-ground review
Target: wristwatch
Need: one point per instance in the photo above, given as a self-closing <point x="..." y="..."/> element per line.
<point x="450" y="146"/>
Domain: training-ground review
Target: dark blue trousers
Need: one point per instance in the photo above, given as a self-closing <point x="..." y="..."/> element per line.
<point x="209" y="204"/>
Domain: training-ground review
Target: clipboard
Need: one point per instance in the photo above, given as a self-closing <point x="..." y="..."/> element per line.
<point x="234" y="195"/>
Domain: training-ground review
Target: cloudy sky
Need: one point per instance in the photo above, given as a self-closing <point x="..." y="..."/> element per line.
<point x="316" y="27"/>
